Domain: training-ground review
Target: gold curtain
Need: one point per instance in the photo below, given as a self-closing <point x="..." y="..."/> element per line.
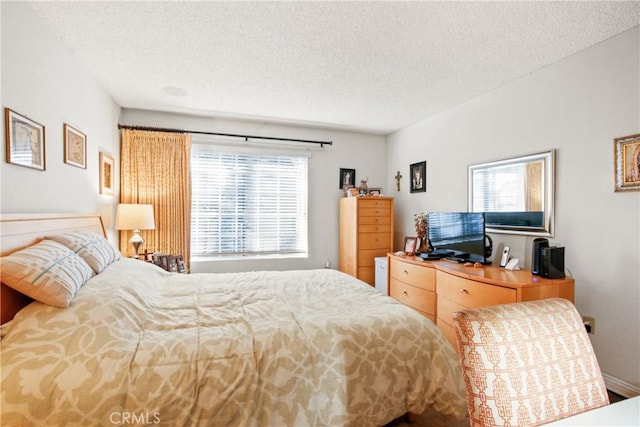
<point x="155" y="170"/>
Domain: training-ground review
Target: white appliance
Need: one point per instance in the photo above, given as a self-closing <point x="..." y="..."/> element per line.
<point x="381" y="274"/>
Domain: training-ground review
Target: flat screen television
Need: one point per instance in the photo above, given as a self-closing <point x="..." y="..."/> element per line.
<point x="458" y="234"/>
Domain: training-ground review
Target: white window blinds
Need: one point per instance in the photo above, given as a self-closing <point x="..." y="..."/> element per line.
<point x="247" y="203"/>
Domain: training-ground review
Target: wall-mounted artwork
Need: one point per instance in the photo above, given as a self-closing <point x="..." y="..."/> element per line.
<point x="25" y="141"/>
<point x="626" y="158"/>
<point x="418" y="177"/>
<point x="75" y="147"/>
<point x="106" y="174"/>
<point x="347" y="178"/>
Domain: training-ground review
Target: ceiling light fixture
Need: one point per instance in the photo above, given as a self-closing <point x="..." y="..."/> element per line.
<point x="174" y="91"/>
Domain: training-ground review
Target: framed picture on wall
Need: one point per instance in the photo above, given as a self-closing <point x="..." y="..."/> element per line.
<point x="347" y="178"/>
<point x="75" y="147"/>
<point x="107" y="171"/>
<point x="25" y="141"/>
<point x="418" y="177"/>
<point x="626" y="159"/>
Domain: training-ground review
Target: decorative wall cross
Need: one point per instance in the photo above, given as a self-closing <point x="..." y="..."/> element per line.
<point x="397" y="177"/>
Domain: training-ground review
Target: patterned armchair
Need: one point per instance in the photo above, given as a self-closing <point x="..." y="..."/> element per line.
<point x="527" y="364"/>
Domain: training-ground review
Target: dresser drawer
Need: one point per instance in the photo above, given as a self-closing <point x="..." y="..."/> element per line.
<point x="420" y="276"/>
<point x="374" y="203"/>
<point x="375" y="228"/>
<point x="470" y="294"/>
<point x="446" y="308"/>
<point x="367" y="274"/>
<point x="365" y="212"/>
<point x="449" y="333"/>
<point x="374" y="240"/>
<point x="374" y="220"/>
<point x="366" y="257"/>
<point x="417" y="298"/>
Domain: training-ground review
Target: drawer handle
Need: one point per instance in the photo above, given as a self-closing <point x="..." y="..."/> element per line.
<point x="405" y="271"/>
<point x="464" y="291"/>
<point x="405" y="292"/>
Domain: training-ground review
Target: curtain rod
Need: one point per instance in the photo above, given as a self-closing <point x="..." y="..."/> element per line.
<point x="246" y="137"/>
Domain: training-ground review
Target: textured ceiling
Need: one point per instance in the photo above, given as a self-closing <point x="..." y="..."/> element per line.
<point x="367" y="66"/>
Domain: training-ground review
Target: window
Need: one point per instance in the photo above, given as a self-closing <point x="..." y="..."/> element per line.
<point x="247" y="203"/>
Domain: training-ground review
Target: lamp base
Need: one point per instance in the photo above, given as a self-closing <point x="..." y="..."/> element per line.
<point x="136" y="241"/>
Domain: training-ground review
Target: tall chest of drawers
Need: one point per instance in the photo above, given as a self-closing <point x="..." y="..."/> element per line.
<point x="366" y="232"/>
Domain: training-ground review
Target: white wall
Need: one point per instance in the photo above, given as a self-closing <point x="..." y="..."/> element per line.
<point x="576" y="106"/>
<point x="365" y="153"/>
<point x="42" y="79"/>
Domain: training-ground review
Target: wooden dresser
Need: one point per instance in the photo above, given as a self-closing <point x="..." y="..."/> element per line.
<point x="366" y="232"/>
<point x="457" y="286"/>
<point x="414" y="285"/>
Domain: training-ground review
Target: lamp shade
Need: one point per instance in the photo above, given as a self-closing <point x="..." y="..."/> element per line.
<point x="135" y="217"/>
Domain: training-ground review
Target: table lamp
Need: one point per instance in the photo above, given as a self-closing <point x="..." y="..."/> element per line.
<point x="135" y="217"/>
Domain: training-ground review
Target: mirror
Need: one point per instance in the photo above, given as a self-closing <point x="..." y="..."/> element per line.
<point x="515" y="194"/>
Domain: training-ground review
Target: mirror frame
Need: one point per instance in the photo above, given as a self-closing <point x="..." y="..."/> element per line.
<point x="547" y="229"/>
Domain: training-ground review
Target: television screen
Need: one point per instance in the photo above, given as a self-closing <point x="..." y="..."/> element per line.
<point x="459" y="232"/>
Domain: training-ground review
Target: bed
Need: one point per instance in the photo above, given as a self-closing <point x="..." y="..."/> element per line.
<point x="139" y="345"/>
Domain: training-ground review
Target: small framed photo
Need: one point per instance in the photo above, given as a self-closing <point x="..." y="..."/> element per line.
<point x="626" y="159"/>
<point x="75" y="147"/>
<point x="172" y="264"/>
<point x="375" y="191"/>
<point x="347" y="178"/>
<point x="161" y="261"/>
<point x="182" y="267"/>
<point x="418" y="177"/>
<point x="107" y="171"/>
<point x="25" y="141"/>
<point x="410" y="245"/>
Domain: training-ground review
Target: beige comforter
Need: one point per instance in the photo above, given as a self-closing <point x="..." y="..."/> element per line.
<point x="308" y="348"/>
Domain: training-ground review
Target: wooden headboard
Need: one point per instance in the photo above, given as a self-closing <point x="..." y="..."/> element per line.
<point x="18" y="231"/>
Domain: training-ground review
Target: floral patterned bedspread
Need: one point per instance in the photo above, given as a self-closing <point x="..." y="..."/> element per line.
<point x="140" y="346"/>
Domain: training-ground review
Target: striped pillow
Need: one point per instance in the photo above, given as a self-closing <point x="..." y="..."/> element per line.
<point x="94" y="249"/>
<point x="47" y="272"/>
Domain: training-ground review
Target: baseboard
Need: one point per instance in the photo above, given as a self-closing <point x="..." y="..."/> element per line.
<point x="620" y="387"/>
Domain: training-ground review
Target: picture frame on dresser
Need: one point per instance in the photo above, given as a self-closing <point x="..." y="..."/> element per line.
<point x="25" y="141"/>
<point x="172" y="264"/>
<point x="182" y="267"/>
<point x="410" y="245"/>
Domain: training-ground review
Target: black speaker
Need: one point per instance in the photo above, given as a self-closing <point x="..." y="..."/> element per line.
<point x="552" y="262"/>
<point x="536" y="254"/>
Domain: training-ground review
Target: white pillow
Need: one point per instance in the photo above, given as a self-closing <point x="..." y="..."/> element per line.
<point x="47" y="272"/>
<point x="93" y="248"/>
